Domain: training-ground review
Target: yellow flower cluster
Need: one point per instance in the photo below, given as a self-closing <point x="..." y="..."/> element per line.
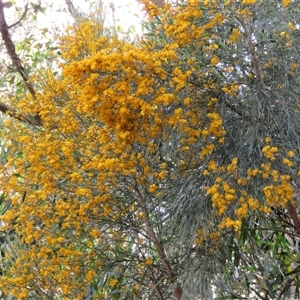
<point x="249" y="2"/>
<point x="279" y="195"/>
<point x="222" y="195"/>
<point x="232" y="192"/>
<point x="209" y="240"/>
<point x="101" y="122"/>
<point x="235" y="34"/>
<point x="229" y="223"/>
<point x="269" y="152"/>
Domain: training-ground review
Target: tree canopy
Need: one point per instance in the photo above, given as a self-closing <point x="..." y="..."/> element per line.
<point x="164" y="168"/>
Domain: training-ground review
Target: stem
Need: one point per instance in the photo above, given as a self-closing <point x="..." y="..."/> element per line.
<point x="152" y="277"/>
<point x="33" y="120"/>
<point x="251" y="50"/>
<point x="72" y="10"/>
<point x="11" y="49"/>
<point x="294" y="215"/>
<point x="158" y="245"/>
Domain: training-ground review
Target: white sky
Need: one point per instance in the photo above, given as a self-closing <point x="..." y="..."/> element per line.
<point x="127" y="12"/>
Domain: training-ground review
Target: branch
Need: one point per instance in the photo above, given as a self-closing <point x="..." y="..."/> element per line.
<point x="72" y="10"/>
<point x="252" y="50"/>
<point x="158" y="3"/>
<point x="237" y="111"/>
<point x="11" y="50"/>
<point x="22" y="17"/>
<point x="158" y="245"/>
<point x="32" y="120"/>
<point x="152" y="277"/>
<point x="294" y="215"/>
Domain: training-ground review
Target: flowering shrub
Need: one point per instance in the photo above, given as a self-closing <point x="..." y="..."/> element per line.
<point x="152" y="154"/>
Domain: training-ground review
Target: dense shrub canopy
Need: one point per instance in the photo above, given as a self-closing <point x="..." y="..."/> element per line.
<point x="159" y="163"/>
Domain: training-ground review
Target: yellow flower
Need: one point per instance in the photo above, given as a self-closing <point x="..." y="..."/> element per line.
<point x="112" y="282"/>
<point x="249" y="2"/>
<point x="187" y="101"/>
<point x="253" y="204"/>
<point x="90" y="275"/>
<point x="214" y="60"/>
<point x="219" y="18"/>
<point x="241" y="212"/>
<point x="212" y="165"/>
<point x="206" y="172"/>
<point x="234" y="161"/>
<point x="234" y="35"/>
<point x="287" y="162"/>
<point x="269" y="152"/>
<point x="218" y="179"/>
<point x="152" y="188"/>
<point x="149" y="262"/>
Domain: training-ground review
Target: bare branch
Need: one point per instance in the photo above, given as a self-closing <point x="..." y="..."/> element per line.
<point x="72" y="9"/>
<point x="22" y="17"/>
<point x="11" y="50"/>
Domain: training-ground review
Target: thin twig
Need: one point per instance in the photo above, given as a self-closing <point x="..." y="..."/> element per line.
<point x="152" y="277"/>
<point x="22" y="17"/>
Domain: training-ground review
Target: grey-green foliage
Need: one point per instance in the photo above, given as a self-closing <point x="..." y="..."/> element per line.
<point x="258" y="261"/>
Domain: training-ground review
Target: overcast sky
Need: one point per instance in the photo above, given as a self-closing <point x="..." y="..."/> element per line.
<point x="127" y="12"/>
